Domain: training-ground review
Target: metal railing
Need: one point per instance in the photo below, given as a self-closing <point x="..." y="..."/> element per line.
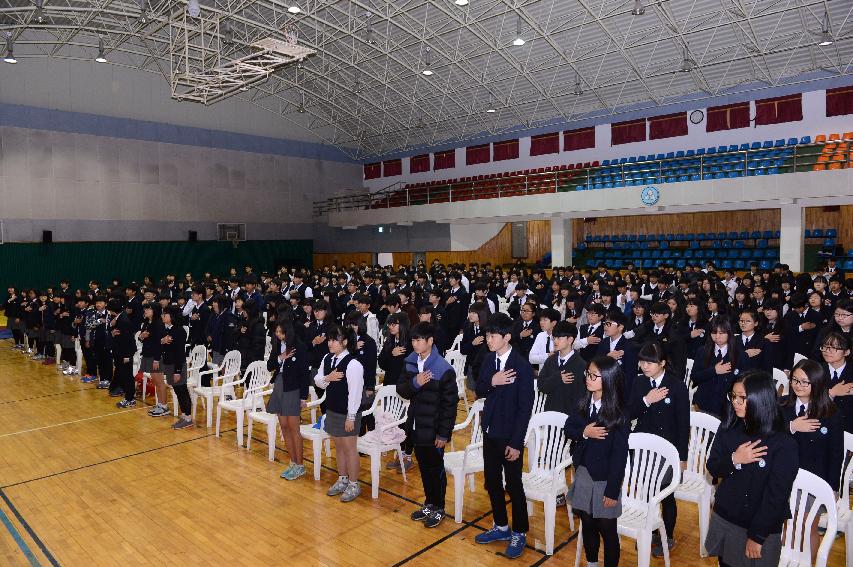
<point x="622" y="173"/>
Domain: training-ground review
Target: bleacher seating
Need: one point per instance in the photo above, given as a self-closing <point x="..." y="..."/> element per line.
<point x="748" y="159"/>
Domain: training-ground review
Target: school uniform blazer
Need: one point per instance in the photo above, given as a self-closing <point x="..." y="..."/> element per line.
<point x="524" y="344"/>
<point x="316" y="352"/>
<point x="455" y="312"/>
<point x="175" y="352"/>
<point x="761" y="361"/>
<point x="668" y="418"/>
<point x="562" y="397"/>
<point x="692" y="344"/>
<point x="778" y="353"/>
<point x="821" y="451"/>
<point x="393" y="365"/>
<point x="628" y="362"/>
<point x="801" y="341"/>
<point x="367" y="356"/>
<point x="124" y="344"/>
<point x="843" y="403"/>
<point x="589" y="351"/>
<point x="507" y="410"/>
<point x="294" y="371"/>
<point x="604" y="459"/>
<point x="473" y="353"/>
<point x="711" y="387"/>
<point x="753" y="496"/>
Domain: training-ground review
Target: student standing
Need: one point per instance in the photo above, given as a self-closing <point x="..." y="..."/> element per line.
<point x="715" y="367"/>
<point x="756" y="461"/>
<point x="816" y="425"/>
<point x="543" y="345"/>
<point x="661" y="406"/>
<point x="150" y="334"/>
<point x="124" y="349"/>
<point x="342" y="376"/>
<point x="560" y="377"/>
<point x="618" y="347"/>
<point x="599" y="430"/>
<point x="835" y="352"/>
<point x="392" y="359"/>
<point x="506" y="381"/>
<point x="756" y="355"/>
<point x="429" y="382"/>
<point x="288" y="361"/>
<point x="98" y="327"/>
<point x="174" y="343"/>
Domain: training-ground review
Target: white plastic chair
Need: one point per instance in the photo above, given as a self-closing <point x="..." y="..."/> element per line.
<point x="796" y="540"/>
<point x="538" y="399"/>
<point x="220" y="375"/>
<point x="466" y="463"/>
<point x="457" y="361"/>
<point x="548" y="458"/>
<point x="457" y="342"/>
<point x="392" y="404"/>
<point x="691" y="390"/>
<point x="195" y="362"/>
<point x="268" y="419"/>
<point x="267" y="347"/>
<point x="318" y="437"/>
<point x="649" y="459"/>
<point x="696" y="482"/>
<point x="257" y="379"/>
<point x="844" y="511"/>
<point x="782" y="382"/>
<point x="798" y="357"/>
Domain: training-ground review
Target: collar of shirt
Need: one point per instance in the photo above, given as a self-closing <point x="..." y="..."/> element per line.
<point x="503" y="358"/>
<point x="594" y="404"/>
<point x="283" y="348"/>
<point x="561" y="361"/>
<point x="614" y="341"/>
<point x="422" y="362"/>
<point x="593" y="328"/>
<point x="801" y="403"/>
<point x="657" y="330"/>
<point x="724" y="350"/>
<point x="840" y="370"/>
<point x="745" y="338"/>
<point x="659" y="378"/>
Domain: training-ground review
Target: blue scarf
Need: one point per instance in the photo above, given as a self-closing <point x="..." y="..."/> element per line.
<point x="435" y="363"/>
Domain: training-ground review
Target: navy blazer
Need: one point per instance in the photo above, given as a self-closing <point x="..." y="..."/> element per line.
<point x="294" y="371"/>
<point x="507" y="410"/>
<point x="604" y="459"/>
<point x="628" y="362"/>
<point x="843" y="403"/>
<point x="762" y="361"/>
<point x="754" y="497"/>
<point x="711" y="387"/>
<point x="668" y="418"/>
<point x="821" y="451"/>
<point x="589" y="351"/>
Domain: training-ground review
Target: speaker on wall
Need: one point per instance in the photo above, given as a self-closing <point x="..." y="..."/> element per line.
<point x="47" y="236"/>
<point x="193" y="236"/>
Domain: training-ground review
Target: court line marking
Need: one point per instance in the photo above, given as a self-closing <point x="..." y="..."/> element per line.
<point x="46" y="396"/>
<point x="122" y="412"/>
<point x="16" y="535"/>
<point x="29" y="530"/>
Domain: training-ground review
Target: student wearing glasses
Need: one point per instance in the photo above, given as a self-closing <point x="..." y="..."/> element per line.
<point x="816" y="425"/>
<point x="841" y="322"/>
<point x="756" y="461"/>
<point x="524" y="329"/>
<point x="835" y="351"/>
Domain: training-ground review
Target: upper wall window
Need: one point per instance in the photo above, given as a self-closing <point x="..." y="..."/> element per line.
<point x="545" y="144"/>
<point x="392" y="167"/>
<point x="372" y="170"/>
<point x="419" y="164"/>
<point x="506" y="149"/>
<point x="778" y="110"/>
<point x="627" y="132"/>
<point x="580" y="139"/>
<point x="839" y="101"/>
<point x="444" y="160"/>
<point x="478" y="154"/>
<point x="727" y="117"/>
<point x="668" y="126"/>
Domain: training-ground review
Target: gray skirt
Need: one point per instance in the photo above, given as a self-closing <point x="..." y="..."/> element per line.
<point x="65" y="341"/>
<point x="587" y="495"/>
<point x="334" y="425"/>
<point x="147" y="365"/>
<point x="286" y="403"/>
<point x="169" y="372"/>
<point x="728" y="542"/>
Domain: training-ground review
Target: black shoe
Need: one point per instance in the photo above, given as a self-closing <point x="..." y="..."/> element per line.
<point x="435" y="518"/>
<point x="421" y="514"/>
<point x="116" y="393"/>
<point x="657" y="548"/>
<point x="561" y="500"/>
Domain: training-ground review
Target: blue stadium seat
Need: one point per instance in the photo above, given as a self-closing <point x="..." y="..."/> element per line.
<point x="807" y="233"/>
<point x="817" y="233"/>
<point x="700" y="151"/>
<point x="755" y="146"/>
<point x="726" y="264"/>
<point x="734" y="174"/>
<point x="727" y="243"/>
<point x="739" y="265"/>
<point x="690" y="153"/>
<point x="731" y="235"/>
<point x="632" y="159"/>
<point x="605" y="162"/>
<point x="744" y="147"/>
<point x="679" y="154"/>
<point x="767" y="144"/>
<point x="831" y="233"/>
<point x="848" y="265"/>
<point x="779" y="143"/>
<point x="806" y="140"/>
<point x="792" y="141"/>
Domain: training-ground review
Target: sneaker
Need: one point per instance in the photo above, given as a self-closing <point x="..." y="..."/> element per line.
<point x="657" y="548"/>
<point x="183" y="423"/>
<point x="407" y="462"/>
<point x="38" y="357"/>
<point x="284" y="474"/>
<point x="351" y="492"/>
<point x="64" y="365"/>
<point x="561" y="500"/>
<point x="435" y="518"/>
<point x="103" y="384"/>
<point x="516" y="545"/>
<point x="494" y="534"/>
<point x="338" y="487"/>
<point x="88" y="379"/>
<point x="294" y="472"/>
<point x="393" y="465"/>
<point x="421" y="514"/>
<point x="159" y="411"/>
<point x="126" y="404"/>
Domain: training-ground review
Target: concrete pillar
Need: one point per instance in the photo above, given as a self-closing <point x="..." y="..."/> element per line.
<point x="792" y="236"/>
<point x="561" y="242"/>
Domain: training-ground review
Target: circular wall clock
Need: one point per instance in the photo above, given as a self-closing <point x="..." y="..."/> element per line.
<point x="697" y="116"/>
<point x="650" y="195"/>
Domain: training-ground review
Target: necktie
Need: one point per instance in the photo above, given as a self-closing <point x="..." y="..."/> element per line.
<point x="657" y="331"/>
<point x="497" y="364"/>
<point x="654" y="384"/>
<point x="802" y="411"/>
<point x="476" y="330"/>
<point x="639" y="321"/>
<point x="835" y="375"/>
<point x="593" y="415"/>
<point x="547" y="344"/>
<point x="719" y="356"/>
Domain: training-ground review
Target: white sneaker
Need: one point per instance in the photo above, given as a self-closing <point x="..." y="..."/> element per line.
<point x="339" y="487"/>
<point x="351" y="492"/>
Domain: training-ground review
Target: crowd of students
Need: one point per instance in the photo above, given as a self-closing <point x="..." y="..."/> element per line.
<point x="607" y="348"/>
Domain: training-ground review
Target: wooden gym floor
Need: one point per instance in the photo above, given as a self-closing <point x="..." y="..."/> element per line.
<point x="84" y="483"/>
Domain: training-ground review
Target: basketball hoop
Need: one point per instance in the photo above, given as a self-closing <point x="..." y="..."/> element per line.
<point x="233" y="237"/>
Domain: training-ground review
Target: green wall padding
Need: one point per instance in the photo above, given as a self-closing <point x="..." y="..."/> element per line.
<point x="40" y="265"/>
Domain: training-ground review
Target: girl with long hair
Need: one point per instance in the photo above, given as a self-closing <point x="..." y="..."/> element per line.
<point x="715" y="367"/>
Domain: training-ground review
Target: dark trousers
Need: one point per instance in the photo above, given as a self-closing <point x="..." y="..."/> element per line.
<point x="594" y="531"/>
<point x="669" y="512"/>
<point x="19" y="336"/>
<point x="431" y="465"/>
<point x="495" y="464"/>
<point x="89" y="358"/>
<point x="68" y="356"/>
<point x="124" y="378"/>
<point x="184" y="401"/>
<point x="103" y="364"/>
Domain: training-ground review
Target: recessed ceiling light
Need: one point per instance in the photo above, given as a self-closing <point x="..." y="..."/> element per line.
<point x="294" y="9"/>
<point x="101" y="58"/>
<point x="460" y="2"/>
<point x="518" y="41"/>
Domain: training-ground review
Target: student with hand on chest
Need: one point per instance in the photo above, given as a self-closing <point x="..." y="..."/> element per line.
<point x="506" y="381"/>
<point x="660" y="404"/>
<point x="694" y="327"/>
<point x="816" y="425"/>
<point x="543" y="345"/>
<point x="756" y="355"/>
<point x="599" y="427"/>
<point x="837" y="368"/>
<point x="525" y="329"/>
<point x="589" y="335"/>
<point x="561" y="376"/>
<point x="775" y="341"/>
<point x="756" y="460"/>
<point x="615" y="345"/>
<point x="716" y="367"/>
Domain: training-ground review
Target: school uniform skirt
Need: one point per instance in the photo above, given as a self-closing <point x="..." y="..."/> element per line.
<point x="66" y="341"/>
<point x="169" y="371"/>
<point x="284" y="403"/>
<point x="728" y="542"/>
<point x="146" y="364"/>
<point x="334" y="424"/>
<point x="587" y="495"/>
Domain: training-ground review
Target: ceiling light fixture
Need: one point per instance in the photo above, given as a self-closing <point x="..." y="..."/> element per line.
<point x="143" y="12"/>
<point x="518" y="41"/>
<point x="428" y="63"/>
<point x="301" y="108"/>
<point x="686" y="64"/>
<point x="460" y="2"/>
<point x="39" y="15"/>
<point x="639" y="9"/>
<point x="825" y="33"/>
<point x="193" y="9"/>
<point x="294" y="9"/>
<point x="101" y="58"/>
<point x="491" y="108"/>
<point x="578" y="86"/>
<point x="10" y="49"/>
